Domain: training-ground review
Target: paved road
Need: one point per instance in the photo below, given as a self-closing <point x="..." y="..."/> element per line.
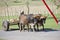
<point x="42" y="35"/>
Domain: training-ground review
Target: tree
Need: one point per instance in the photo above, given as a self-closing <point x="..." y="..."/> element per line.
<point x="5" y="1"/>
<point x="57" y="3"/>
<point x="27" y="4"/>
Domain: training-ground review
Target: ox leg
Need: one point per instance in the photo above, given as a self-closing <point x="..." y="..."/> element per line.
<point x="43" y="26"/>
<point x="20" y="27"/>
<point x="23" y="27"/>
<point x="34" y="28"/>
<point x="28" y="27"/>
<point x="37" y="27"/>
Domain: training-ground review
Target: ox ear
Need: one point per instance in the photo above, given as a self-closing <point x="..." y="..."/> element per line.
<point x="22" y="12"/>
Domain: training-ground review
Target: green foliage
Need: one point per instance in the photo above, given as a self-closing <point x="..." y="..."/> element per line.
<point x="2" y="39"/>
<point x="57" y="3"/>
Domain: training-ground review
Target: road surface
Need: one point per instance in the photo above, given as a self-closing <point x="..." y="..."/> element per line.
<point x="41" y="35"/>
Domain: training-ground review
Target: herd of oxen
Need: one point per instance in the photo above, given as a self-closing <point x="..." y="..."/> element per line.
<point x="31" y="21"/>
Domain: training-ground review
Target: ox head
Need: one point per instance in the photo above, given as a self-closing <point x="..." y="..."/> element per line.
<point x="43" y="18"/>
<point x="22" y="12"/>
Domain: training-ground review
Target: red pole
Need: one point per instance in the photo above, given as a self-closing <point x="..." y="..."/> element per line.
<point x="50" y="11"/>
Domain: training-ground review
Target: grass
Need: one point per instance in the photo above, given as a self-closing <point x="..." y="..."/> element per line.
<point x="2" y="39"/>
<point x="50" y="22"/>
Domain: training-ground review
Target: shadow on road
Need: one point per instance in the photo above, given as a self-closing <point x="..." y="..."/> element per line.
<point x="13" y="29"/>
<point x="45" y="30"/>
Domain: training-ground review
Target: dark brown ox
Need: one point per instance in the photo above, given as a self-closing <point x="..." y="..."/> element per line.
<point x="41" y="21"/>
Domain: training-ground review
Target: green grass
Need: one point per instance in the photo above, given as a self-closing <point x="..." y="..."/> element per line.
<point x="50" y="22"/>
<point x="2" y="39"/>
